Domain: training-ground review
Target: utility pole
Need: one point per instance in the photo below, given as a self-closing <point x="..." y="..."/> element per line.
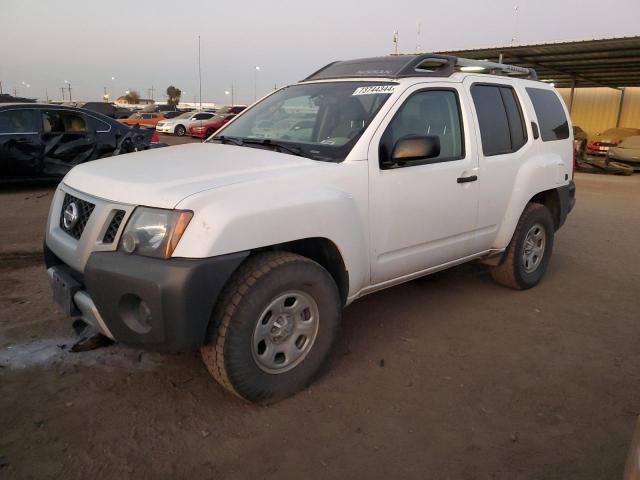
<point x="0" y="87"/>
<point x="62" y="90"/>
<point x="395" y="42"/>
<point x="152" y="90"/>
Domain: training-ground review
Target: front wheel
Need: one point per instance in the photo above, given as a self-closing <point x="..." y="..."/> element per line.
<point x="528" y="254"/>
<point x="180" y="131"/>
<point x="273" y="327"/>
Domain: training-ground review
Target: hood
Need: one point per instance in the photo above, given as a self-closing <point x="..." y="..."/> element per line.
<point x="162" y="177"/>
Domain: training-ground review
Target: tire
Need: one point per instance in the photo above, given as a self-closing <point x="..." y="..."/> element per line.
<point x="180" y="131"/>
<point x="257" y="295"/>
<point x="515" y="271"/>
<point x="210" y="132"/>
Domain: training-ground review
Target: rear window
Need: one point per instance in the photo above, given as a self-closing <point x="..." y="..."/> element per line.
<point x="500" y="119"/>
<point x="18" y="121"/>
<point x="551" y="118"/>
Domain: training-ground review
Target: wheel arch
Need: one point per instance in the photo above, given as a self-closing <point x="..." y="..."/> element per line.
<point x="550" y="199"/>
<point x="322" y="251"/>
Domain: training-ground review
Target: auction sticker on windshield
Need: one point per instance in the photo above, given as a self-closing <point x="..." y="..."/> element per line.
<point x="374" y="90"/>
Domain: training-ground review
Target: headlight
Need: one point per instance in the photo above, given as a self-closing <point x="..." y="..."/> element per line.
<point x="154" y="232"/>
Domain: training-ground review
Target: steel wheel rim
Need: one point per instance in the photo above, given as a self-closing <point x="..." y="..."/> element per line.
<point x="533" y="249"/>
<point x="285" y="332"/>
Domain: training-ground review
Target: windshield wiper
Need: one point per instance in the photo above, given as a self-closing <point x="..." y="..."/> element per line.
<point x="267" y="142"/>
<point x="225" y="139"/>
<point x="270" y="143"/>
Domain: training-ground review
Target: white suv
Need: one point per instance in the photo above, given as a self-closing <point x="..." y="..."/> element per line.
<point x="367" y="174"/>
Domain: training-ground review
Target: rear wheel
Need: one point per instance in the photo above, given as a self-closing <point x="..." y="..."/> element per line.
<point x="527" y="256"/>
<point x="180" y="131"/>
<point x="273" y="327"/>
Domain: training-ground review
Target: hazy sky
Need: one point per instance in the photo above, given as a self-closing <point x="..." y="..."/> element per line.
<point x="154" y="43"/>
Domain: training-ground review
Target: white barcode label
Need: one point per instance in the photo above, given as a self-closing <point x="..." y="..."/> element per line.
<point x="374" y="90"/>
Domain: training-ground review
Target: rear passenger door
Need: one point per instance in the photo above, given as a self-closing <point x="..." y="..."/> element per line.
<point x="68" y="141"/>
<point x="504" y="142"/>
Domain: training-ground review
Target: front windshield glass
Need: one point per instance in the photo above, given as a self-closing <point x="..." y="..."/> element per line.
<point x="322" y="121"/>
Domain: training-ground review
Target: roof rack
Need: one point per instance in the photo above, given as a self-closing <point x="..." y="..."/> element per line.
<point x="423" y="65"/>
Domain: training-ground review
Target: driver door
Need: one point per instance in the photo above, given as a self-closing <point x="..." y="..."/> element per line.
<point x="423" y="214"/>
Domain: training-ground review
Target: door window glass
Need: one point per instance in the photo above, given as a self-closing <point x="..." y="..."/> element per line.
<point x="18" y="121"/>
<point x="60" y="121"/>
<point x="429" y="112"/>
<point x="500" y="119"/>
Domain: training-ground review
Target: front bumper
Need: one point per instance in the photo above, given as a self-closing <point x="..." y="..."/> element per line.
<point x="149" y="303"/>
<point x="165" y="128"/>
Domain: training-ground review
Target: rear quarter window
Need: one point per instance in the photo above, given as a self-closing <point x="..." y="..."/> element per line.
<point x="551" y="117"/>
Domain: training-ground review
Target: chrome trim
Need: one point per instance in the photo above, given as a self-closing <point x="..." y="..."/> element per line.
<point x="90" y="312"/>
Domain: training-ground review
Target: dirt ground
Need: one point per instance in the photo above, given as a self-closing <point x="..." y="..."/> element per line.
<point x="446" y="377"/>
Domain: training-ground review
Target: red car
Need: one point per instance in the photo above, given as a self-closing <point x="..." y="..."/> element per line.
<point x="222" y="116"/>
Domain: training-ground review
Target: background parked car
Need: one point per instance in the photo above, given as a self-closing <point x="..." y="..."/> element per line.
<point x="222" y="116"/>
<point x="173" y="114"/>
<point x="180" y="125"/>
<point x="108" y="109"/>
<point x="627" y="152"/>
<point x="579" y="141"/>
<point x="46" y="141"/>
<point x="141" y="118"/>
<point x="600" y="143"/>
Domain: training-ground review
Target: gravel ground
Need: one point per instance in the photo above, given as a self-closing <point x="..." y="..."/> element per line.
<point x="449" y="376"/>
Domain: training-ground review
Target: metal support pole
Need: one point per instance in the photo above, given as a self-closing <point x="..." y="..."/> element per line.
<point x="622" y="90"/>
<point x="573" y="89"/>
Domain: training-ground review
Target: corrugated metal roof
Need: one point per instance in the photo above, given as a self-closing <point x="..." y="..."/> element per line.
<point x="610" y="62"/>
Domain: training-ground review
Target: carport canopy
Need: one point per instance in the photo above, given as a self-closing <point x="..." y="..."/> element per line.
<point x="611" y="62"/>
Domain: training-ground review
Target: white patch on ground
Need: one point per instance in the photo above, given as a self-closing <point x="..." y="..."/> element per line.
<point x="50" y="352"/>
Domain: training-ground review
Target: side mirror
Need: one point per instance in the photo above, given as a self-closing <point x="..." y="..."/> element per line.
<point x="414" y="148"/>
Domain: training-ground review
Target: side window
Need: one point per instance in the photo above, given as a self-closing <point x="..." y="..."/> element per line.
<point x="202" y="116"/>
<point x="551" y="116"/>
<point x="18" y="121"/>
<point x="60" y="121"/>
<point x="428" y="112"/>
<point x="99" y="125"/>
<point x="500" y="119"/>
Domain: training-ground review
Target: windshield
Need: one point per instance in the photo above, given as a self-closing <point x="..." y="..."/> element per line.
<point x="322" y="121"/>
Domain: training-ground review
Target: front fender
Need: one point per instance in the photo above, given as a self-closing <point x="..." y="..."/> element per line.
<point x="253" y="215"/>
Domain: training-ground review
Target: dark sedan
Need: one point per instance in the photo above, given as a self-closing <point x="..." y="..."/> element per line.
<point x="39" y="141"/>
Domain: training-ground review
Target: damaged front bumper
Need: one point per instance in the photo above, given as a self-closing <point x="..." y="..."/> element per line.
<point x="148" y="303"/>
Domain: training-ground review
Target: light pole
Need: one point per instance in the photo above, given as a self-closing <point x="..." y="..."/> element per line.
<point x="69" y="88"/>
<point x="255" y="83"/>
<point x="231" y="92"/>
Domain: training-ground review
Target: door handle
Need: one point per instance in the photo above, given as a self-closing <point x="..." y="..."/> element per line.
<point x="472" y="178"/>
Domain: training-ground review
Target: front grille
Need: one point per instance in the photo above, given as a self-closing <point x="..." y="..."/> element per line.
<point x="114" y="225"/>
<point x="84" y="210"/>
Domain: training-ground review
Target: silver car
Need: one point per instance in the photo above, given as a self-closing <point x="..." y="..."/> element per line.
<point x="627" y="152"/>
